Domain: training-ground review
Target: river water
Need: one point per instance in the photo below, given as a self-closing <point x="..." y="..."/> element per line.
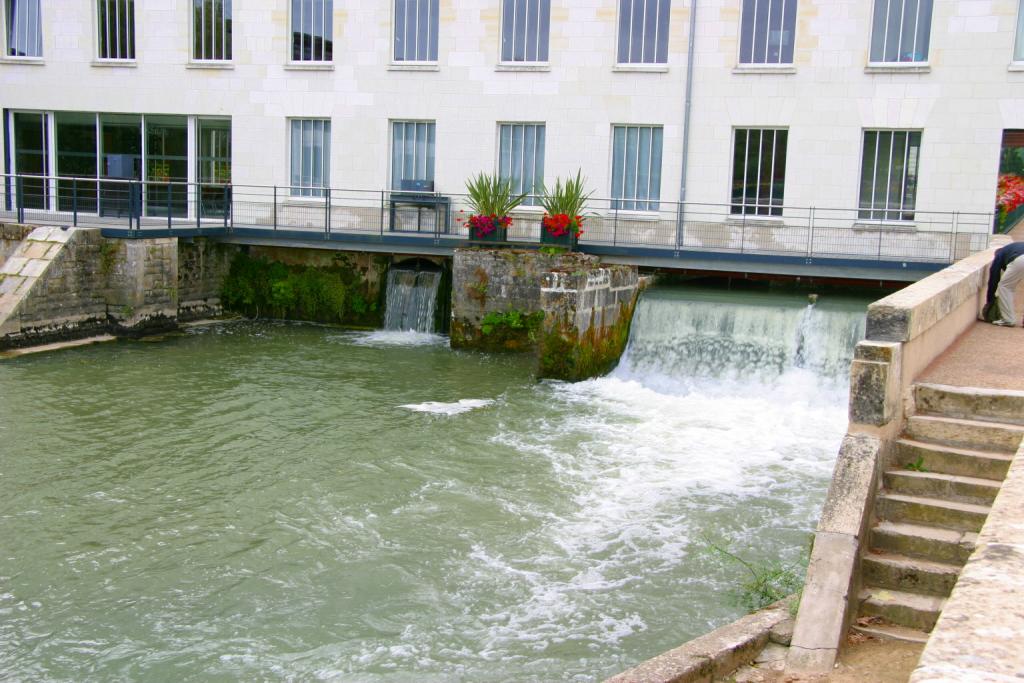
<point x="268" y="501"/>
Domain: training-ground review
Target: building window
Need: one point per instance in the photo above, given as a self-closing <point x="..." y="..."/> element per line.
<point x="759" y="171"/>
<point x="521" y="157"/>
<point x="766" y="32"/>
<point x="312" y="30"/>
<point x="310" y="157"/>
<point x="900" y="31"/>
<point x="24" y="28"/>
<point x="643" y="31"/>
<point x="416" y="30"/>
<point x="412" y="154"/>
<point x="888" y="178"/>
<point x="525" y="25"/>
<point x="31" y="158"/>
<point x="116" y="25"/>
<point x="166" y="165"/>
<point x="76" y="142"/>
<point x="636" y="167"/>
<point x="1018" y="52"/>
<point x="211" y="30"/>
<point x="213" y="156"/>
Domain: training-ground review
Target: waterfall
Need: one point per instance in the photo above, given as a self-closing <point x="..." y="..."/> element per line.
<point x="710" y="336"/>
<point x="411" y="300"/>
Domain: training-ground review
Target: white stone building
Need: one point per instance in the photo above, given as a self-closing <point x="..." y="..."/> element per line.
<point x="882" y="109"/>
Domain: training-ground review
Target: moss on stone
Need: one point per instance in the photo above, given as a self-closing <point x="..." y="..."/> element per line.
<point x="565" y="354"/>
<point x="511" y="330"/>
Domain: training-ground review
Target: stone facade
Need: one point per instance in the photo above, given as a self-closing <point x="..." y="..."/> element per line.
<point x="11" y="235"/>
<point x="202" y="267"/>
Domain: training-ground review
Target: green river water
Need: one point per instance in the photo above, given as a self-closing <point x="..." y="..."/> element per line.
<point x="267" y="501"/>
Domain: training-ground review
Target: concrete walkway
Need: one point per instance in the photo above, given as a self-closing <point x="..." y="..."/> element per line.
<point x="986" y="356"/>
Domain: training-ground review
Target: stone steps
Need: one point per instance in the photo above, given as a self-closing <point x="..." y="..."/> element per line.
<point x="886" y="631"/>
<point x="911" y="610"/>
<point x="946" y="486"/>
<point x="926" y="542"/>
<point x="952" y="460"/>
<point x="946" y="514"/>
<point x="909" y="574"/>
<point x="970" y="404"/>
<point x="980" y="435"/>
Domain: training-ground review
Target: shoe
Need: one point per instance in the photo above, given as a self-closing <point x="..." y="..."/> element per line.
<point x="1004" y="323"/>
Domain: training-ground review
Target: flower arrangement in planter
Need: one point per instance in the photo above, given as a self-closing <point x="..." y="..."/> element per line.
<point x="562" y="224"/>
<point x="490" y="200"/>
<point x="1010" y="196"/>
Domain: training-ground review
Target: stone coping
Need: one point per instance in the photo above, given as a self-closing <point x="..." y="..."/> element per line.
<point x="977" y="638"/>
<point x="713" y="655"/>
<point x="910" y="312"/>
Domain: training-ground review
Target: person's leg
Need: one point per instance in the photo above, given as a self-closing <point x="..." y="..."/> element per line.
<point x="1012" y="276"/>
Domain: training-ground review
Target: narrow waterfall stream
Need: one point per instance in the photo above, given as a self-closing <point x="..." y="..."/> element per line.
<point x="273" y="501"/>
<point x="411" y="300"/>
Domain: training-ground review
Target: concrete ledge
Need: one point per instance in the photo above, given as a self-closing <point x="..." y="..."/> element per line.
<point x="713" y="655"/>
<point x="964" y="647"/>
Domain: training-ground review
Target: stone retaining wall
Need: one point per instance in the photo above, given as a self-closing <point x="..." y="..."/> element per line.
<point x="202" y="267"/>
<point x="11" y="235"/>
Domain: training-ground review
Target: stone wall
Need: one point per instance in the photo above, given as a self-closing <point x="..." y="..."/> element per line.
<point x="11" y="235"/>
<point x="570" y="309"/>
<point x="202" y="267"/>
<point x="70" y="283"/>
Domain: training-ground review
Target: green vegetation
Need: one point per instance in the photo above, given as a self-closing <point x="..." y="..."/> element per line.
<point x="491" y="195"/>
<point x="108" y="256"/>
<point x="552" y="251"/>
<point x="770" y="581"/>
<point x="917" y="465"/>
<point x="566" y="197"/>
<point x="565" y="355"/>
<point x="261" y="288"/>
<point x="512" y="321"/>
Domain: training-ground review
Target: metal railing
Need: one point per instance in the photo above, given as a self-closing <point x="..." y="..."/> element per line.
<point x="131" y="208"/>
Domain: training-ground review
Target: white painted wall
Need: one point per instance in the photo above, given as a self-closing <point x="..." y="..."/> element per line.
<point x="968" y="95"/>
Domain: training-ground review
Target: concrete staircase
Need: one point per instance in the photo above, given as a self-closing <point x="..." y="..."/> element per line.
<point x="959" y="447"/>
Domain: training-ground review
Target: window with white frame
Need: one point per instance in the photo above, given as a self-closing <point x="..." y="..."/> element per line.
<point x="636" y="167"/>
<point x="643" y="31"/>
<point x="115" y="22"/>
<point x="416" y="25"/>
<point x="310" y="157"/>
<point x="1018" y="51"/>
<point x="900" y="31"/>
<point x="766" y="31"/>
<point x="525" y="25"/>
<point x="211" y="30"/>
<point x="758" y="171"/>
<point x="888" y="178"/>
<point x="521" y="158"/>
<point x="312" y="30"/>
<point x="23" y="19"/>
<point x="412" y="154"/>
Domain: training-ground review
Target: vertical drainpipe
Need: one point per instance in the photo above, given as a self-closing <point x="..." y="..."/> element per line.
<point x="686" y="124"/>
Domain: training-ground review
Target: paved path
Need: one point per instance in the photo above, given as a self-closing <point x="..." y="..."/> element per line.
<point x="986" y="356"/>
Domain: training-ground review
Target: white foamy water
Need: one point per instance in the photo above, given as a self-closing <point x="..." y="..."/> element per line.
<point x="385" y="338"/>
<point x="455" y="408"/>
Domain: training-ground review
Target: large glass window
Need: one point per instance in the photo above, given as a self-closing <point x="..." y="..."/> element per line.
<point x="888" y="179"/>
<point x="214" y="159"/>
<point x="310" y="157"/>
<point x="525" y="25"/>
<point x="115" y="21"/>
<point x="412" y="153"/>
<point x="211" y="29"/>
<point x="24" y="22"/>
<point x="120" y="159"/>
<point x="759" y="171"/>
<point x="521" y="157"/>
<point x="636" y="167"/>
<point x="312" y="30"/>
<point x="643" y="31"/>
<point x="900" y="31"/>
<point x="1018" y="51"/>
<point x="166" y="165"/>
<point x="76" y="158"/>
<point x="31" y="153"/>
<point x="416" y="30"/>
<point x="766" y="32"/>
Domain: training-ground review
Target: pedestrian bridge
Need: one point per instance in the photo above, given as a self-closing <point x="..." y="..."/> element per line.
<point x="880" y="244"/>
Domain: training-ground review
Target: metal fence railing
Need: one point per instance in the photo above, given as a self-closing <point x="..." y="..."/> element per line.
<point x="148" y="209"/>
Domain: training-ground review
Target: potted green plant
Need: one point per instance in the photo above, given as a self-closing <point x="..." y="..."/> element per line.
<point x="490" y="200"/>
<point x="562" y="223"/>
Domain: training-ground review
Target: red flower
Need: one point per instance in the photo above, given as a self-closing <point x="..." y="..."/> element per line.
<point x="560" y="224"/>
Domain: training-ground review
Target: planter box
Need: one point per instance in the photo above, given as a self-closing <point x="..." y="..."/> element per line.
<point x="496" y="235"/>
<point x="568" y="240"/>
